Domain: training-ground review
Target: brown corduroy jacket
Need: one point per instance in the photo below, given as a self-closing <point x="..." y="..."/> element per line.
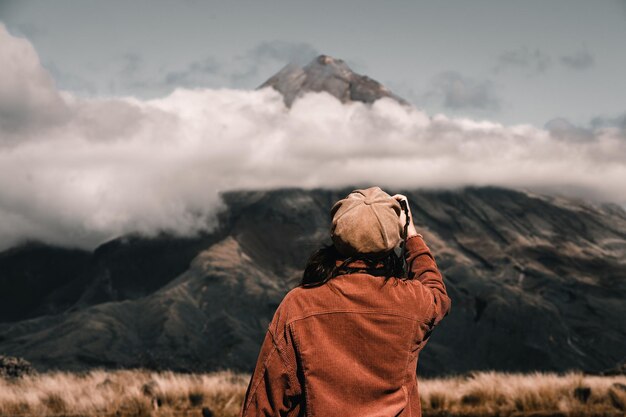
<point x="350" y="346"/>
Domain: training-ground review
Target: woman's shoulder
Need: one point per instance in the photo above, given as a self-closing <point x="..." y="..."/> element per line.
<point x="300" y="300"/>
<point x="291" y="306"/>
<point x="293" y="299"/>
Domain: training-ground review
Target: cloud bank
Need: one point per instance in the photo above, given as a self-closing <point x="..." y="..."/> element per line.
<point x="77" y="171"/>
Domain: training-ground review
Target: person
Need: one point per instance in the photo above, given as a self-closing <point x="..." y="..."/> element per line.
<point x="345" y="342"/>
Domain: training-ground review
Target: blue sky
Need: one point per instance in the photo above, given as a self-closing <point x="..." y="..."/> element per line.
<point x="511" y="62"/>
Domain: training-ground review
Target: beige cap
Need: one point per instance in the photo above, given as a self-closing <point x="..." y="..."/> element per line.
<point x="367" y="222"/>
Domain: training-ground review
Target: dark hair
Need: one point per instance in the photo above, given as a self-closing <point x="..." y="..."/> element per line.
<point x="322" y="264"/>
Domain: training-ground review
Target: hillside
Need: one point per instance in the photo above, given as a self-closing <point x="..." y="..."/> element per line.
<point x="537" y="283"/>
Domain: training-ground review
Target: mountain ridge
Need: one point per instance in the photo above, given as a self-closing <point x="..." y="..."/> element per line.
<point x="537" y="283"/>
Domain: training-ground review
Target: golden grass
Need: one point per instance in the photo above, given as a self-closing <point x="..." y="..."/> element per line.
<point x="123" y="393"/>
<point x="513" y="394"/>
<point x="142" y="393"/>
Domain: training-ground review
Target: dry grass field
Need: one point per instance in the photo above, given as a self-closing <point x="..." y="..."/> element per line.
<point x="143" y="393"/>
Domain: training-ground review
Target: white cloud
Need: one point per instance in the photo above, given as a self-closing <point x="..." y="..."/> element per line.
<point x="105" y="167"/>
<point x="28" y="99"/>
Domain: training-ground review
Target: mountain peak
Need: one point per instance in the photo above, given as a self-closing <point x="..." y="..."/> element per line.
<point x="329" y="74"/>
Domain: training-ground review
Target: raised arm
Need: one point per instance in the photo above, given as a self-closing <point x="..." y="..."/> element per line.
<point x="423" y="269"/>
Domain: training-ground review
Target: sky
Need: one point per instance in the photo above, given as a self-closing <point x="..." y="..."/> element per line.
<point x="135" y="117"/>
<point x="505" y="61"/>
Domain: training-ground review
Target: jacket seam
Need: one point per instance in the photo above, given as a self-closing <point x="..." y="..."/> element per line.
<point x="296" y="342"/>
<point x="432" y="309"/>
<point x="388" y="313"/>
<point x="253" y="392"/>
<point x="282" y="354"/>
<point x="409" y="352"/>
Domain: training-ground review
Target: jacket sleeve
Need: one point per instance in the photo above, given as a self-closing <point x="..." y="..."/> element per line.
<point x="423" y="269"/>
<point x="274" y="388"/>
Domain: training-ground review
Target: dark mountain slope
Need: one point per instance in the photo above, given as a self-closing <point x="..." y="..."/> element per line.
<point x="537" y="283"/>
<point x="36" y="279"/>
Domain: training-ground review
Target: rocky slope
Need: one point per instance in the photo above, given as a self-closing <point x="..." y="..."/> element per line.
<point x="537" y="283"/>
<point x="331" y="75"/>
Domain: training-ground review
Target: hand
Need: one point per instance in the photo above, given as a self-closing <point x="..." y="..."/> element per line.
<point x="411" y="231"/>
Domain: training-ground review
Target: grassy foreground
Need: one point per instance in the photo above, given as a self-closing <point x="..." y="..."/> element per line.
<point x="143" y="393"/>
